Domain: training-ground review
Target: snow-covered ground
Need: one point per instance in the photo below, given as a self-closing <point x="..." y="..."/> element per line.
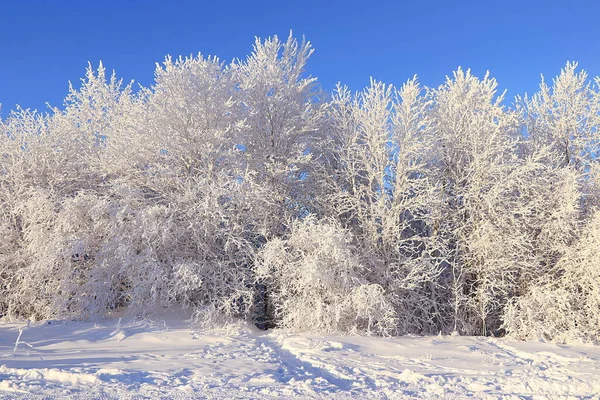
<point x="168" y="359"/>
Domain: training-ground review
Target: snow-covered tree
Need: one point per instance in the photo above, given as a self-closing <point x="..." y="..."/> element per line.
<point x="377" y="185"/>
<point x="317" y="283"/>
<point x="561" y="133"/>
<point x="564" y="304"/>
<point x="565" y="117"/>
<point x="280" y="125"/>
<point x="474" y="161"/>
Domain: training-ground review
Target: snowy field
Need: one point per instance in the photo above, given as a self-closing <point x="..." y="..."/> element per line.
<point x="169" y="359"/>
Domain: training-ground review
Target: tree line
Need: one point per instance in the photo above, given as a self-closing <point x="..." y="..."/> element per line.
<point x="242" y="190"/>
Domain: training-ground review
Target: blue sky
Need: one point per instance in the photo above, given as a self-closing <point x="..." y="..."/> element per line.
<point x="45" y="44"/>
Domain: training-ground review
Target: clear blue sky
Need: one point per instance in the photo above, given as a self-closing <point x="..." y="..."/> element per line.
<point x="44" y="44"/>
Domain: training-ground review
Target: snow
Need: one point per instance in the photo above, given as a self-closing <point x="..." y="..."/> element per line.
<point x="168" y="358"/>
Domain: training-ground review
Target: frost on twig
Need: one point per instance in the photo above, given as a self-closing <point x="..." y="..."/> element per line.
<point x="19" y="341"/>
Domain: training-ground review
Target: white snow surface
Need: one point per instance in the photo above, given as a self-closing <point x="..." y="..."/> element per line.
<point x="169" y="358"/>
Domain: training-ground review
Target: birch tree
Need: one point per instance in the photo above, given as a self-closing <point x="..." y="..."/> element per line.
<point x="380" y="190"/>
